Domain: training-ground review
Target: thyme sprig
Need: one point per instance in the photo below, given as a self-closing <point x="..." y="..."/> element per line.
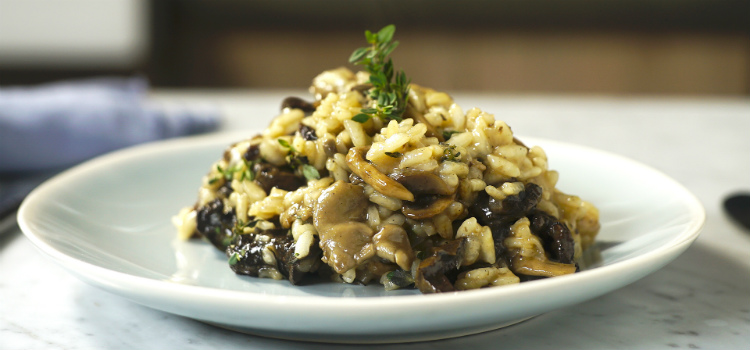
<point x="389" y="90"/>
<point x="245" y="169"/>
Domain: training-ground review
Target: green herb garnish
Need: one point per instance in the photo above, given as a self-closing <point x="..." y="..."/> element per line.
<point x="227" y="174"/>
<point x="248" y="174"/>
<point x="361" y="118"/>
<point x="389" y="90"/>
<point x="450" y="154"/>
<point x="239" y="226"/>
<point x="228" y="240"/>
<point x="297" y="161"/>
<point x="310" y="172"/>
<point x="394" y="154"/>
<point x="234" y="258"/>
<point x="285" y="144"/>
<point x="245" y="169"/>
<point x="447" y="134"/>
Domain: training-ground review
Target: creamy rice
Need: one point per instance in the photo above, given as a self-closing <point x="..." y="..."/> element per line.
<point x="442" y="200"/>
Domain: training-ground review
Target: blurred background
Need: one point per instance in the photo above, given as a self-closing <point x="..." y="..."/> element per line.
<point x="623" y="47"/>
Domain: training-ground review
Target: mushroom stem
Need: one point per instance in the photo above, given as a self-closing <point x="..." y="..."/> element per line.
<point x="540" y="267"/>
<point x="355" y="159"/>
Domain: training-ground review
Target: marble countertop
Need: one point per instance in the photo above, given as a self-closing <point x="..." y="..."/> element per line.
<point x="699" y="301"/>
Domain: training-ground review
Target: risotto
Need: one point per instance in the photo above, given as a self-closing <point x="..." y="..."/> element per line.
<point x="436" y="198"/>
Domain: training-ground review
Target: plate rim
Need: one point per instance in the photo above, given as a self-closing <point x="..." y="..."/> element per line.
<point x="103" y="277"/>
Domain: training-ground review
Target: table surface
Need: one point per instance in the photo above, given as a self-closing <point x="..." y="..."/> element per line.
<point x="699" y="301"/>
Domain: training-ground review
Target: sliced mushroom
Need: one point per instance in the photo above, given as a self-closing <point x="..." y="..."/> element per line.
<point x="307" y="133"/>
<point x="340" y="202"/>
<point x="270" y="253"/>
<point x="355" y="159"/>
<point x="338" y="217"/>
<point x="269" y="176"/>
<point x="298" y="103"/>
<point x="555" y="235"/>
<point x="216" y="224"/>
<point x="423" y="182"/>
<point x="392" y="244"/>
<point x="434" y="273"/>
<point x="347" y="245"/>
<point x="492" y="212"/>
<point x="426" y="206"/>
<point x="432" y="194"/>
<point x="540" y="267"/>
<point x="290" y="265"/>
<point x="329" y="146"/>
<point x="252" y="153"/>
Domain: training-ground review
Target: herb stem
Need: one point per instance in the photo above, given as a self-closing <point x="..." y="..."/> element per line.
<point x="389" y="91"/>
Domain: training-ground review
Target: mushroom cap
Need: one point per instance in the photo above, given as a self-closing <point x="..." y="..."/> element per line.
<point x="392" y="243"/>
<point x="346" y="245"/>
<point x="423" y="182"/>
<point x="340" y="202"/>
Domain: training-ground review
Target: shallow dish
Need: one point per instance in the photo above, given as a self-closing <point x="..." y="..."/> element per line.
<point x="108" y="222"/>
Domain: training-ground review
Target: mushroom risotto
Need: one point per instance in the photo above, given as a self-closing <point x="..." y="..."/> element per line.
<point x="380" y="180"/>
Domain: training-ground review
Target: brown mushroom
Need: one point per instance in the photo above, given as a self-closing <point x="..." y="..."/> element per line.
<point x="392" y="244"/>
<point x="433" y="273"/>
<point x="355" y="159"/>
<point x="490" y="211"/>
<point x="307" y="133"/>
<point x="340" y="202"/>
<point x="247" y="255"/>
<point x="555" y="235"/>
<point x="338" y="217"/>
<point x="269" y="176"/>
<point x="298" y="103"/>
<point x="423" y="182"/>
<point x="347" y="245"/>
<point x="426" y="206"/>
<point x="540" y="267"/>
<point x="432" y="194"/>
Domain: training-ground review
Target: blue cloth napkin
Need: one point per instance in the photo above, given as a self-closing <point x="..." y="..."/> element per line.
<point x="61" y="124"/>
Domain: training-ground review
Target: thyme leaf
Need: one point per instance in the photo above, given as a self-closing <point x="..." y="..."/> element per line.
<point x="450" y="154"/>
<point x="285" y="144"/>
<point x="389" y="90"/>
<point x="447" y="134"/>
<point x="234" y="258"/>
<point x="310" y="172"/>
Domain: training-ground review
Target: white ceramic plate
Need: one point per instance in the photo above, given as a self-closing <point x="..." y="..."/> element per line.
<point x="108" y="222"/>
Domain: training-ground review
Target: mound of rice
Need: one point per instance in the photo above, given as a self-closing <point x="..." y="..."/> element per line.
<point x="442" y="200"/>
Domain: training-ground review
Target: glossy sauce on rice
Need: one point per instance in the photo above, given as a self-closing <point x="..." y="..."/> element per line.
<point x="442" y="200"/>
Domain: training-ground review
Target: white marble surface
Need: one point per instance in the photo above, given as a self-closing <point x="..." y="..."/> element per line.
<point x="700" y="301"/>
